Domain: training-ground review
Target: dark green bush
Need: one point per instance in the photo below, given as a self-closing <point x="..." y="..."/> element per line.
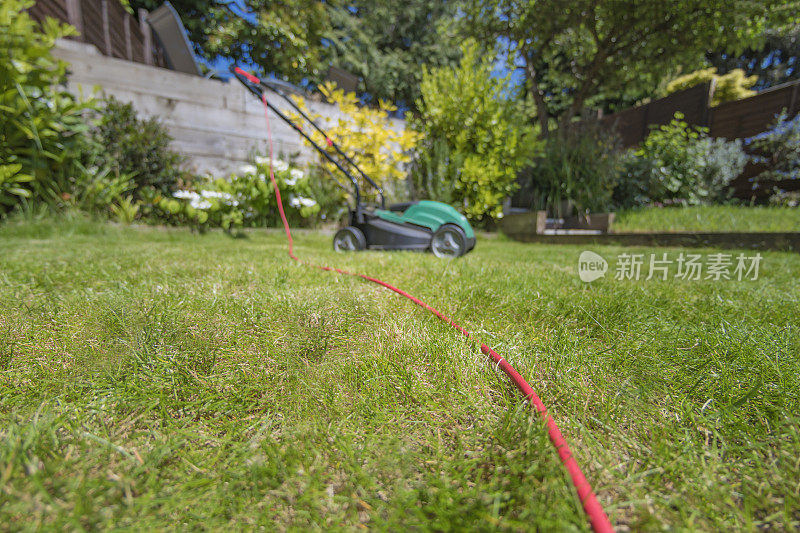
<point x="42" y="127"/>
<point x="680" y="164"/>
<point x="577" y="168"/>
<point x="469" y="108"/>
<point x="778" y="149"/>
<point x="138" y="148"/>
<point x="436" y="171"/>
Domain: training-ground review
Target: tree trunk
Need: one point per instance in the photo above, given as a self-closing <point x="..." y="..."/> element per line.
<point x="542" y="116"/>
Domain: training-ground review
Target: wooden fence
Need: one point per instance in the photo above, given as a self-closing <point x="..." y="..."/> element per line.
<point x="106" y="25"/>
<point x="635" y="123"/>
<point x="731" y="120"/>
<point x="751" y="116"/>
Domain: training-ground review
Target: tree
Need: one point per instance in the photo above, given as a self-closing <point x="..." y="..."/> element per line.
<point x="280" y="37"/>
<point x="726" y="88"/>
<point x="773" y="60"/>
<point x="470" y="118"/>
<point x="386" y="42"/>
<point x="577" y="52"/>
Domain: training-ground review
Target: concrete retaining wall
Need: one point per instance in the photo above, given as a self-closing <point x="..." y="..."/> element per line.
<point x="218" y="126"/>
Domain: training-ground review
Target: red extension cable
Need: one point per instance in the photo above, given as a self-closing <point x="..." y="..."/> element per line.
<point x="594" y="511"/>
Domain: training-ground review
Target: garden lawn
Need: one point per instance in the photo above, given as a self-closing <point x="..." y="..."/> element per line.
<point x="159" y="379"/>
<point x="717" y="218"/>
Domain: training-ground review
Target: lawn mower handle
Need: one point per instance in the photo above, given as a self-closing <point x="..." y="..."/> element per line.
<point x="255" y="85"/>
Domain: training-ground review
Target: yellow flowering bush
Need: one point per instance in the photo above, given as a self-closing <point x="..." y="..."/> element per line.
<point x="366" y="135"/>
<point x="734" y="85"/>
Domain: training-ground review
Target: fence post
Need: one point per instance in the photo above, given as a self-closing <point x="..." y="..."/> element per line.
<point x="128" y="45"/>
<point x="147" y="37"/>
<point x="106" y="26"/>
<point x="75" y="17"/>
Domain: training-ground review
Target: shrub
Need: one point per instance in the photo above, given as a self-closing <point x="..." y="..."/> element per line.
<point x="245" y="199"/>
<point x="13" y="185"/>
<point x="778" y="149"/>
<point x="367" y="136"/>
<point x="685" y="166"/>
<point x="436" y="172"/>
<point x="329" y="193"/>
<point x="633" y="185"/>
<point x="487" y="135"/>
<point x="42" y="129"/>
<point x="580" y="165"/>
<point x="724" y="161"/>
<point x="138" y="148"/>
<point x="728" y="87"/>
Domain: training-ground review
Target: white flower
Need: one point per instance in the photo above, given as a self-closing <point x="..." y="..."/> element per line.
<point x="187" y="195"/>
<point x="200" y="204"/>
<point x="247" y="169"/>
<point x="298" y="201"/>
<point x="216" y="194"/>
<point x="295" y="175"/>
<point x="277" y="164"/>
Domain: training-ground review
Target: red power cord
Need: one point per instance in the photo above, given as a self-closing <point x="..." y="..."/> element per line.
<point x="594" y="511"/>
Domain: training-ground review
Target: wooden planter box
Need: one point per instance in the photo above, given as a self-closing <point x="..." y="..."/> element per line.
<point x="593" y="221"/>
<point x="536" y="222"/>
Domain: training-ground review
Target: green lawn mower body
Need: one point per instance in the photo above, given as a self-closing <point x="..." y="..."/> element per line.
<point x="423" y="225"/>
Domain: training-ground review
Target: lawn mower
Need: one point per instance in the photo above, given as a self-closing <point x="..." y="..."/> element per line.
<point x="420" y="225"/>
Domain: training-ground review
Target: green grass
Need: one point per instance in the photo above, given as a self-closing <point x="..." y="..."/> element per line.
<point x="158" y="379"/>
<point x="709" y="219"/>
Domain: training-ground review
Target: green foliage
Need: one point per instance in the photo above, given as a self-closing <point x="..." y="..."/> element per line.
<point x="126" y="210"/>
<point x="13" y="185"/>
<point x="786" y="199"/>
<point x="724" y="162"/>
<point x="726" y="88"/>
<point x="368" y="137"/>
<point x="329" y="192"/>
<point x="680" y="164"/>
<point x="577" y="55"/>
<point x="436" y="172"/>
<point x="385" y="42"/>
<point x="578" y="167"/>
<point x="778" y="149"/>
<point x="486" y="133"/>
<point x="138" y="148"/>
<point x="772" y="58"/>
<point x="246" y="199"/>
<point x="97" y="187"/>
<point x="280" y="37"/>
<point x="42" y="130"/>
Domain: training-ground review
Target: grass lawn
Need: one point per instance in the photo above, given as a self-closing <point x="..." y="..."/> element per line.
<point x="716" y="218"/>
<point x="157" y="379"/>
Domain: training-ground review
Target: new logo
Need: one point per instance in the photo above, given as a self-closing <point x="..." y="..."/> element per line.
<point x="591" y="266"/>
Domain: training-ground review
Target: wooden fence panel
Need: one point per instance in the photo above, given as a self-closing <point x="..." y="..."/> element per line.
<point x="629" y="124"/>
<point x="106" y="25"/>
<point x="56" y="9"/>
<point x="751" y="116"/>
<point x="635" y="123"/>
